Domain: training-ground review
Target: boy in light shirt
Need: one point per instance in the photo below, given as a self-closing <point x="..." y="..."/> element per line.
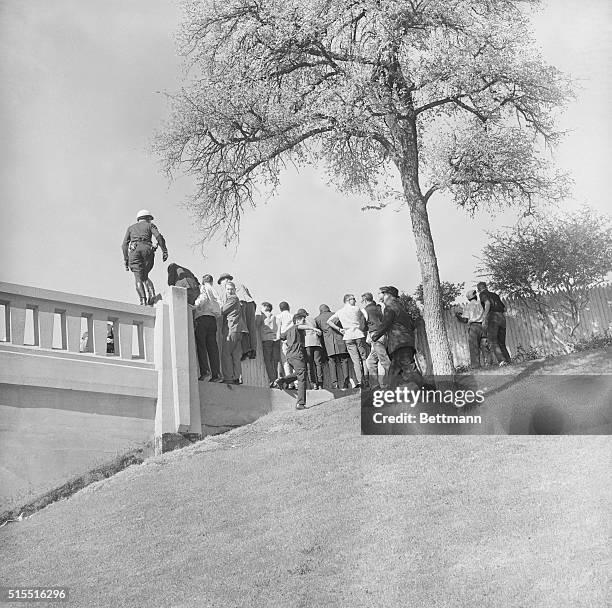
<point x="270" y="344"/>
<point x="285" y="321"/>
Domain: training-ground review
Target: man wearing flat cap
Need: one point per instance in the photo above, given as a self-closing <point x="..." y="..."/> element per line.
<point x="399" y="328"/>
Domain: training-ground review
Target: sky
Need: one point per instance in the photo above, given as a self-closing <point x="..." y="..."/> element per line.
<point x="81" y="96"/>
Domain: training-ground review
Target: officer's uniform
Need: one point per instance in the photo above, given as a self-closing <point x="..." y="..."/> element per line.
<point x="138" y="250"/>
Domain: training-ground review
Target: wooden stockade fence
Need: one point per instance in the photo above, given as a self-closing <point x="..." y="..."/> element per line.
<point x="524" y="329"/>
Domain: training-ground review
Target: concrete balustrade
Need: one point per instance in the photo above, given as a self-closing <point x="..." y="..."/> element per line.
<point x="73" y="311"/>
<point x="43" y="364"/>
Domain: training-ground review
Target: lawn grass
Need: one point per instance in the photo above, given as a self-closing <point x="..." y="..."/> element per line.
<point x="299" y="510"/>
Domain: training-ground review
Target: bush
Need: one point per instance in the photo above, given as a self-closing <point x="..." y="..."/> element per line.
<point x="526" y="354"/>
<point x="595" y="341"/>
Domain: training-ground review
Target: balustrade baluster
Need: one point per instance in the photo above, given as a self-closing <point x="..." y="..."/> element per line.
<point x="73" y="329"/>
<point x="100" y="324"/>
<point x="18" y="319"/>
<point x="148" y="330"/>
<point x="46" y="312"/>
<point x="126" y="331"/>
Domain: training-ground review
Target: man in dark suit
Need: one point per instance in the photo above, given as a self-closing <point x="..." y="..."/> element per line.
<point x="335" y="348"/>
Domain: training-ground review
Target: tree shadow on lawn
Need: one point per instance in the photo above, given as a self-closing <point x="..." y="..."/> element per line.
<point x="475" y="381"/>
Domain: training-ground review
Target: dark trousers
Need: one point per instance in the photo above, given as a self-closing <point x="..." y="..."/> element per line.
<point x="314" y="359"/>
<point x="299" y="374"/>
<point x="249" y="341"/>
<point x="476" y="337"/>
<point x="341" y="359"/>
<point x="403" y="367"/>
<point x="496" y="335"/>
<point x="271" y="355"/>
<point x="206" y="345"/>
<point x="231" y="353"/>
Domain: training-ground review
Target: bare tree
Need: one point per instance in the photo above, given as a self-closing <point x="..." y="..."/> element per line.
<point x="435" y="95"/>
<point x="562" y="255"/>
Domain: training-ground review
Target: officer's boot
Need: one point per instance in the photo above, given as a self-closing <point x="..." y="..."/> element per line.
<point x="150" y="292"/>
<point x="141" y="293"/>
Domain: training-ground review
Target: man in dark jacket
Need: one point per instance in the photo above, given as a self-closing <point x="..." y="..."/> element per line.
<point x="296" y="356"/>
<point x="231" y="333"/>
<point x="335" y="348"/>
<point x="180" y="276"/>
<point x="139" y="254"/>
<point x="494" y="323"/>
<point x="378" y="362"/>
<point x="399" y="328"/>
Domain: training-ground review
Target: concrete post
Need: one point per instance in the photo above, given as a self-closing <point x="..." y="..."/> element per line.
<point x="195" y="414"/>
<point x="177" y="418"/>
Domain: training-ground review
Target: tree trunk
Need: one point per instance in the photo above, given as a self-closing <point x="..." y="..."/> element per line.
<point x="439" y="346"/>
<point x="441" y="356"/>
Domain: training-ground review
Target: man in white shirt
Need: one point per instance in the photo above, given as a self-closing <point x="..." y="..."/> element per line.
<point x="352" y="330"/>
<point x="285" y="321"/>
<point x="473" y="315"/>
<point x="207" y="309"/>
<point x="268" y="330"/>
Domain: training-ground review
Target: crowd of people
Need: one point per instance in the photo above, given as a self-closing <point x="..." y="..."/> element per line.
<point x="376" y="338"/>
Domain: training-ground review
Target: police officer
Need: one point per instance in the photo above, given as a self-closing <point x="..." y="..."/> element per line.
<point x="139" y="254"/>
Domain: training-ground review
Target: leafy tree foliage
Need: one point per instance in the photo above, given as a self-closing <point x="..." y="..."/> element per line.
<point x="410" y="306"/>
<point x="436" y="95"/>
<point x="566" y="254"/>
<point x="449" y="292"/>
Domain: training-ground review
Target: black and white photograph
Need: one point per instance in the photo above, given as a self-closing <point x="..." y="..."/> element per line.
<point x="305" y="304"/>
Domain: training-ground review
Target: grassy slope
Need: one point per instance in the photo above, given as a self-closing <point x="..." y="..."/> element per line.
<point x="299" y="510"/>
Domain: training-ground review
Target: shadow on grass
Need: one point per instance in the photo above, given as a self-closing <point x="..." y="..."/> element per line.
<point x="336" y="392"/>
<point x="471" y="381"/>
<point x="72" y="486"/>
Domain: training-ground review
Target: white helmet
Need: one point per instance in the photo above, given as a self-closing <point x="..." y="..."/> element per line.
<point x="144" y="213"/>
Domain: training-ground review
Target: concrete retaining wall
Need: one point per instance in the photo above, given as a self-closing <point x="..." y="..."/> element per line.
<point x="226" y="406"/>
